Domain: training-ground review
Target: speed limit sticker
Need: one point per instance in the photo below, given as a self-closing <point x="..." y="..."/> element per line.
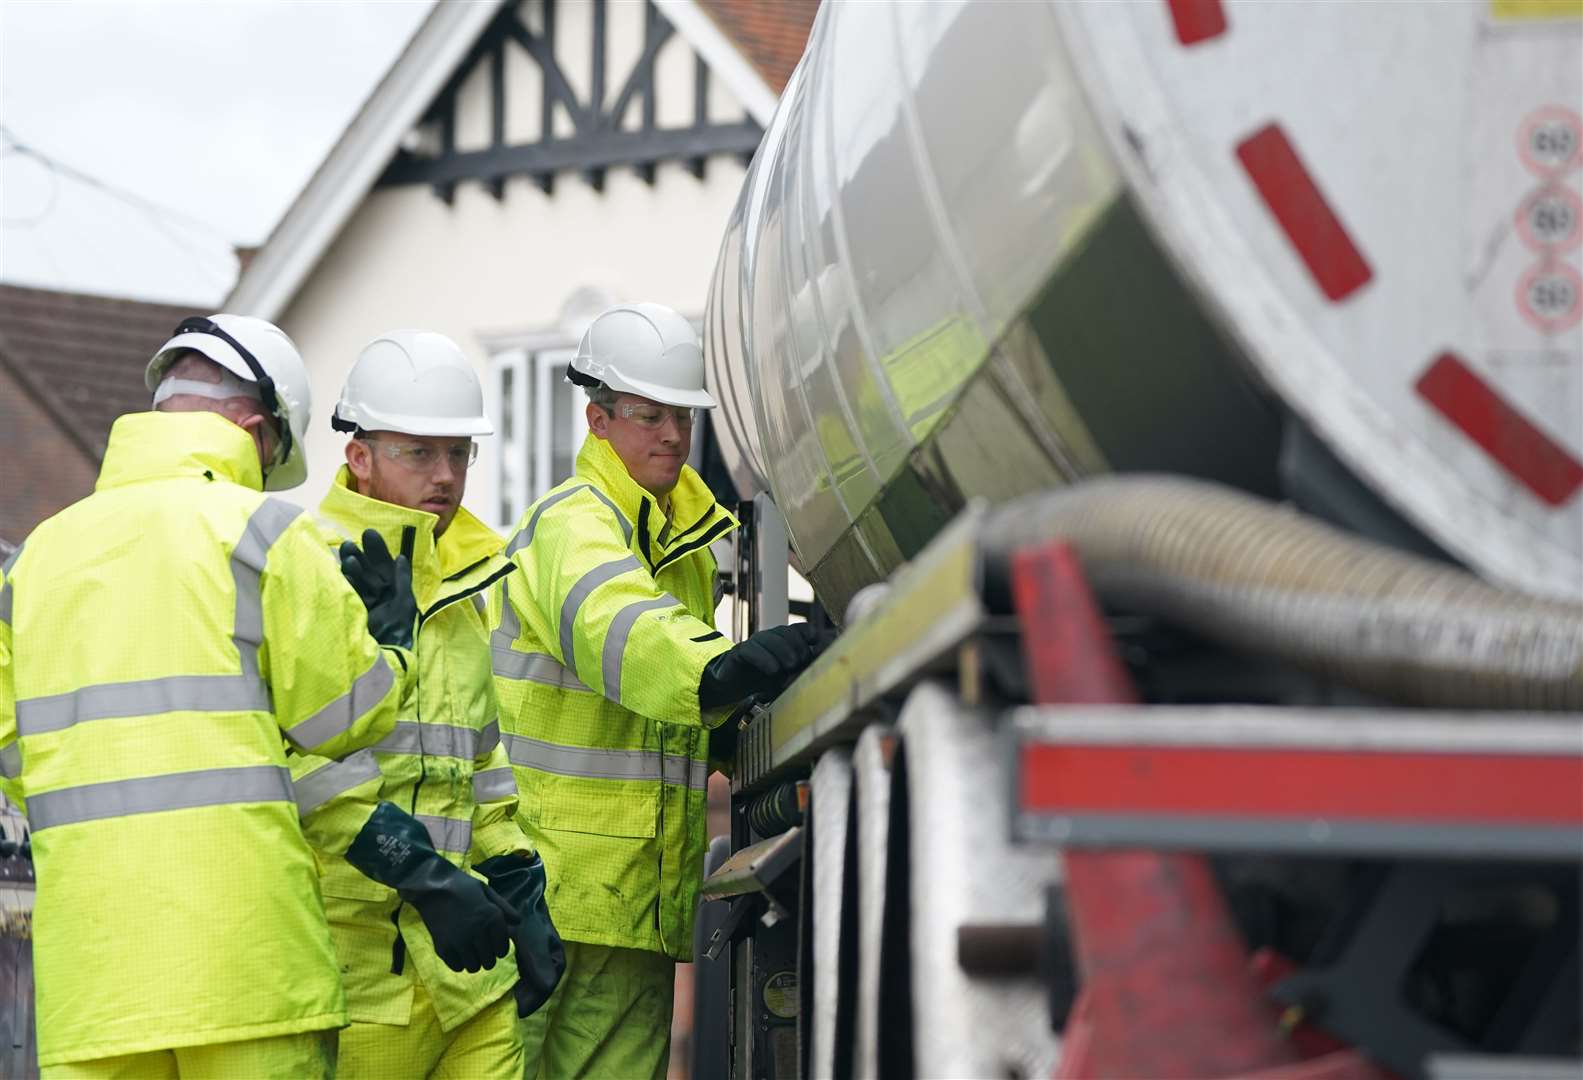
<point x="1550" y="140"/>
<point x="1551" y="219"/>
<point x="1550" y="297"/>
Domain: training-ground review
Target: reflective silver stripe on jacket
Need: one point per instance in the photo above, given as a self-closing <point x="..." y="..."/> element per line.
<point x="246" y="692"/>
<point x="153" y="794"/>
<point x="592" y="764"/>
<point x="431" y="740"/>
<point x="578" y="593"/>
<point x="615" y="646"/>
<point x="144" y="697"/>
<point x="448" y="834"/>
<point x="11" y="761"/>
<point x="525" y="536"/>
<point x="335" y="778"/>
<point x="510" y="626"/>
<point x="264" y="527"/>
<point x="532" y="667"/>
<point x="492" y="784"/>
<point x="5" y="590"/>
<point x="339" y="715"/>
<point x="535" y="667"/>
<point x="488" y="738"/>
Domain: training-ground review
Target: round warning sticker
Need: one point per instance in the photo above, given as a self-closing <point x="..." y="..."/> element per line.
<point x="1550" y="140"/>
<point x="1550" y="297"/>
<point x="780" y="994"/>
<point x="1551" y="219"/>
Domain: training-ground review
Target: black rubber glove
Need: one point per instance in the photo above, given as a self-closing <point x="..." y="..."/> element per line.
<point x="763" y="664"/>
<point x="469" y="924"/>
<point x="541" y="958"/>
<point x="385" y="587"/>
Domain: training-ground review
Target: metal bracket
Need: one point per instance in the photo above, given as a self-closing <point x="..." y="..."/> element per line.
<point x="754" y="868"/>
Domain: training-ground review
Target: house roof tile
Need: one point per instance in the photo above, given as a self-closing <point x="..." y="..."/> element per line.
<point x="770" y="33"/>
<point x="82" y="357"/>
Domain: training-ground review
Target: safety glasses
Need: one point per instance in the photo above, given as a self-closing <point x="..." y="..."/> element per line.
<point x="417" y="458"/>
<point x="653" y="416"/>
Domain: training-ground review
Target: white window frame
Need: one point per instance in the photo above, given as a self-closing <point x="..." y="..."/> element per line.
<point x="550" y="368"/>
<point x="539" y="368"/>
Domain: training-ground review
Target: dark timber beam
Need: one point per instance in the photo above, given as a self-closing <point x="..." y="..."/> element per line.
<point x="546" y="181"/>
<point x="447" y="189"/>
<point x="596" y="90"/>
<point x="603" y="150"/>
<point x="555" y="84"/>
<point x="697" y="165"/>
<point x="656" y="32"/>
<point x="497" y="115"/>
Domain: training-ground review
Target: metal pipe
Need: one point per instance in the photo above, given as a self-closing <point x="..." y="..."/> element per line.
<point x="1265" y="579"/>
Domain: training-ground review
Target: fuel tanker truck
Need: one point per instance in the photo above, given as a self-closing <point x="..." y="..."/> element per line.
<point x="1178" y="407"/>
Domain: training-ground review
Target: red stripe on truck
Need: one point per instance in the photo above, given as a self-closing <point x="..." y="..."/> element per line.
<point x="1391" y="786"/>
<point x="1541" y="464"/>
<point x="1197" y="20"/>
<point x="1300" y="207"/>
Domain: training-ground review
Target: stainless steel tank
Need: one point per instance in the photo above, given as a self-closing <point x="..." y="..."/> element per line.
<point x="1322" y="251"/>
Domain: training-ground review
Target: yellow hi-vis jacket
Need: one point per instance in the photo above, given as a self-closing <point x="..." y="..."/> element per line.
<point x="443" y="764"/>
<point x="156" y="640"/>
<point x="600" y="642"/>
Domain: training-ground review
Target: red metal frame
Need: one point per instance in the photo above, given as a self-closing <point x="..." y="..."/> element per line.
<point x="1378" y="786"/>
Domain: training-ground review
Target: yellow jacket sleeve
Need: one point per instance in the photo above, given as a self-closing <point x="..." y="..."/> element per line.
<point x="495" y="828"/>
<point x="334" y="798"/>
<point x="334" y="688"/>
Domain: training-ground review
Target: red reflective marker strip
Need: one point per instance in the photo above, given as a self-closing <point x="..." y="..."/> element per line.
<point x="1197" y="20"/>
<point x="1297" y="203"/>
<point x="1544" y="466"/>
<point x="1396" y="786"/>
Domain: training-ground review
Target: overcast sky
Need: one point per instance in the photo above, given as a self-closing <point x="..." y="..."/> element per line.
<point x="215" y="112"/>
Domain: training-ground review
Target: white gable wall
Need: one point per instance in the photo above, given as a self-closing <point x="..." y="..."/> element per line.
<point x="480" y="270"/>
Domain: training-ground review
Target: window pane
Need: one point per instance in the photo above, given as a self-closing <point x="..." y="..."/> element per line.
<point x="567" y="402"/>
<point x="525" y="446"/>
<point x="508" y="426"/>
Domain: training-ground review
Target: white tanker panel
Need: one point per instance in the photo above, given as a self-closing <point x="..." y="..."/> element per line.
<point x="989" y="248"/>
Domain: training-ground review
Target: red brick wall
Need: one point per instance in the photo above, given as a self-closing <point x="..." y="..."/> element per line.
<point x="41" y="470"/>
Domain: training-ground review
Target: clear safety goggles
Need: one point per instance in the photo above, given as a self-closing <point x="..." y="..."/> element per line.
<point x="653" y="416"/>
<point x="459" y="456"/>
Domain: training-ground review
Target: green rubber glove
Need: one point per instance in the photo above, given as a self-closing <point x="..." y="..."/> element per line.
<point x="385" y="587"/>
<point x="541" y="958"/>
<point x="469" y="923"/>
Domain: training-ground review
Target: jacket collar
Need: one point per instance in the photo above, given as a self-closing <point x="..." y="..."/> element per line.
<point x="466" y="554"/>
<point x="695" y="517"/>
<point x="163" y="445"/>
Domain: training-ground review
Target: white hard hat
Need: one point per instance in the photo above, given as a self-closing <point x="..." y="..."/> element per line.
<point x="643" y="349"/>
<point x="416" y="382"/>
<point x="257" y="352"/>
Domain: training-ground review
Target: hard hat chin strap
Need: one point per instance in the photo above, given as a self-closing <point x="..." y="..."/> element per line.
<point x="265" y="385"/>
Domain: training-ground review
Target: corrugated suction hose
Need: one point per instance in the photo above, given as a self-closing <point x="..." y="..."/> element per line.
<point x="1268" y="580"/>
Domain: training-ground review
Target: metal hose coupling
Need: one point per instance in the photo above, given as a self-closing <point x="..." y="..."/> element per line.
<point x="1268" y="580"/>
